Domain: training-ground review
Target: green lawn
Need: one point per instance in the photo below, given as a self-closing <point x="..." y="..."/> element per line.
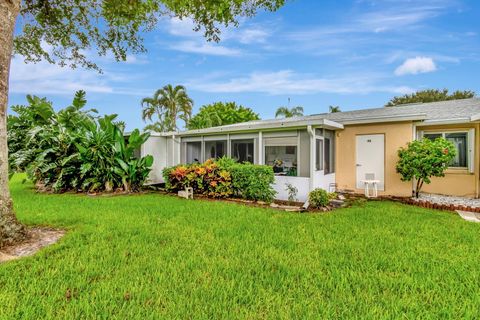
<point x="154" y="256"/>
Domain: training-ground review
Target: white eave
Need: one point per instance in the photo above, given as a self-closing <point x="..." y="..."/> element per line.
<point x="437" y="122"/>
<point x="475" y="117"/>
<point x="381" y="119"/>
<point x="267" y="125"/>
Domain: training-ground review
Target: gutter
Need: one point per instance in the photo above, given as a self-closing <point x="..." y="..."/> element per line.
<point x="267" y="126"/>
<point x="475" y="117"/>
<point x="444" y="121"/>
<point x="366" y="120"/>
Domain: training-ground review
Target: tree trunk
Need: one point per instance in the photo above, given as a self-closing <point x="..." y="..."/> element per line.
<point x="10" y="229"/>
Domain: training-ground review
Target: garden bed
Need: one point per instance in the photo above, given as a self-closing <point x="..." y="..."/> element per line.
<point x="430" y="203"/>
<point x="343" y="201"/>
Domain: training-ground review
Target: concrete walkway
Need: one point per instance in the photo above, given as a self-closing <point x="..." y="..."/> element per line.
<point x="469" y="216"/>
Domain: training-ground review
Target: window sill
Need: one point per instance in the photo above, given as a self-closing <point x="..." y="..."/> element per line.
<point x="458" y="171"/>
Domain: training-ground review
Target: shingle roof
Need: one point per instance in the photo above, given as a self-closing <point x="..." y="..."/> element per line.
<point x="454" y="110"/>
<point x="434" y="111"/>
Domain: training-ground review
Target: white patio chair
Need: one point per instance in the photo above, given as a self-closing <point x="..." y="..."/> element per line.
<point x="370" y="181"/>
<point x="187" y="193"/>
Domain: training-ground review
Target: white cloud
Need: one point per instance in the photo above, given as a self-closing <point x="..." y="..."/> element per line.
<point x="44" y="78"/>
<point x="416" y="65"/>
<point x="381" y="21"/>
<point x="181" y="27"/>
<point x="195" y="42"/>
<point x="252" y="35"/>
<point x="289" y="82"/>
<point x="205" y="48"/>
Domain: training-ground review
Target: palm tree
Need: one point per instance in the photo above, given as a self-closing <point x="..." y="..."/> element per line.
<point x="286" y="112"/>
<point x="169" y="104"/>
<point x="333" y="109"/>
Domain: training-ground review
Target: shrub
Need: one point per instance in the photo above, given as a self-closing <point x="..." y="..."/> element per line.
<point x="423" y="159"/>
<point x="222" y="178"/>
<point x="226" y="162"/>
<point x="318" y="198"/>
<point x="73" y="149"/>
<point x="206" y="178"/>
<point x="253" y="182"/>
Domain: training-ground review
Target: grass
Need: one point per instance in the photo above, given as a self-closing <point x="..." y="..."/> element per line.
<point x="154" y="256"/>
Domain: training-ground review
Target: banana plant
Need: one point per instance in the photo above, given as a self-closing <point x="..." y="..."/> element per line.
<point x="75" y="150"/>
<point x="134" y="172"/>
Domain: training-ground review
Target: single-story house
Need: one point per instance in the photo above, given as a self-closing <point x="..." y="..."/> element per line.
<point x="337" y="149"/>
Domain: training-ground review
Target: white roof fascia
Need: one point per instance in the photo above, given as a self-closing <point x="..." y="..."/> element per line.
<point x="266" y="126"/>
<point x="475" y="117"/>
<point x="410" y="117"/>
<point x="443" y="122"/>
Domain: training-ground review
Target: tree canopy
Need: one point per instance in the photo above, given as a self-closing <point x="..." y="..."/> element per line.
<point x="64" y="31"/>
<point x="285" y="112"/>
<point x="221" y="113"/>
<point x="430" y="95"/>
<point x="334" y="109"/>
<point x="423" y="159"/>
<point x="67" y="32"/>
<point x="168" y="104"/>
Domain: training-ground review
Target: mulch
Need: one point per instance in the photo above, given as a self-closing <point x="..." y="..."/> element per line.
<point x="37" y="238"/>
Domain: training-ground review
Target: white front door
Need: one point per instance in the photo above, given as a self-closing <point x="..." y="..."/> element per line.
<point x="370" y="150"/>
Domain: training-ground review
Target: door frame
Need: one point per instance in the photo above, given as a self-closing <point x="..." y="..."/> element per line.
<point x="384" y="157"/>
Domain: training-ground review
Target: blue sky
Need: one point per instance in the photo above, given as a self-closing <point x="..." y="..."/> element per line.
<point x="355" y="54"/>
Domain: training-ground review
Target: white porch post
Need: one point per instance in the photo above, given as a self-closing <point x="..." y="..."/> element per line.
<point x="173" y="150"/>
<point x="228" y="151"/>
<point x="261" y="159"/>
<point x="311" y="132"/>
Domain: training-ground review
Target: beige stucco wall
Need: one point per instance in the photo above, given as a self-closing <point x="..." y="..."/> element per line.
<point x="456" y="182"/>
<point x="396" y="135"/>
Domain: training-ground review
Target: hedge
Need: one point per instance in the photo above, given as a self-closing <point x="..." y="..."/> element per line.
<point x="252" y="182"/>
<point x="223" y="178"/>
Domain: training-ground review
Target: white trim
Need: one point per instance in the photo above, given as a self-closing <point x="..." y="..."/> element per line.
<point x="443" y="132"/>
<point x="311" y="133"/>
<point x="261" y="159"/>
<point x="471" y="150"/>
<point x="442" y="122"/>
<point x="268" y="124"/>
<point x="191" y="139"/>
<point x="222" y="137"/>
<point x="299" y="151"/>
<point x="475" y="117"/>
<point x="281" y="141"/>
<point x="242" y="136"/>
<point x="202" y="151"/>
<point x="412" y="117"/>
<point x="229" y="145"/>
<point x="280" y="134"/>
<point x="415" y="136"/>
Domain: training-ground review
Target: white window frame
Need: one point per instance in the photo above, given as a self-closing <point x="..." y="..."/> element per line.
<point x="205" y="151"/>
<point x="236" y="139"/>
<point x="322" y="157"/>
<point x="283" y="144"/>
<point x="470" y="145"/>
